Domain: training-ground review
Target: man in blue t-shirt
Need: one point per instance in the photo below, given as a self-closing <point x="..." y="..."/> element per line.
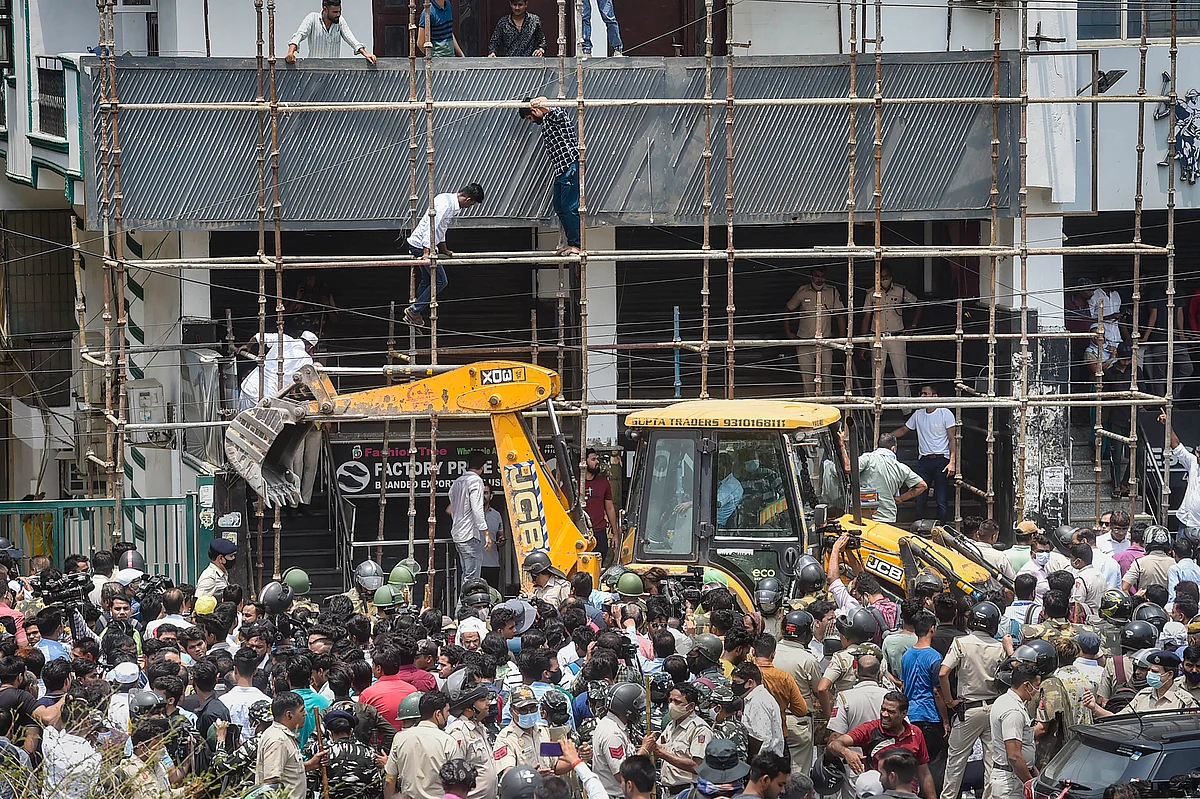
<point x="920" y="667"/>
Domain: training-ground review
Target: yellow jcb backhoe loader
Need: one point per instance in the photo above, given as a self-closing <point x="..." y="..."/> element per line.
<point x="741" y="486"/>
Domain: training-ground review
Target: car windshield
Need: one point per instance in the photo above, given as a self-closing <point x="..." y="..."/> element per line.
<point x="1091" y="768"/>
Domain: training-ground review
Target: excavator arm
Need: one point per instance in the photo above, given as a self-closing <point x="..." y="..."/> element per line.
<point x="262" y="442"/>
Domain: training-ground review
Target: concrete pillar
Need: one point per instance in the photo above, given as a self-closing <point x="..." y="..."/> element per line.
<point x="602" y="329"/>
<point x="195" y="298"/>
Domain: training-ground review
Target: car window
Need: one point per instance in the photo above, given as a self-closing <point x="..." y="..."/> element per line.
<point x="1093" y="769"/>
<point x="1177" y="761"/>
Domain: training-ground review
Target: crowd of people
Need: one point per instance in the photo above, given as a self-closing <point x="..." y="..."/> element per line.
<point x="114" y="681"/>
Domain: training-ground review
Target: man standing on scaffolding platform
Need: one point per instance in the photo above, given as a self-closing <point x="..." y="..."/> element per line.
<point x="445" y="206"/>
<point x="325" y="32"/>
<point x="813" y="306"/>
<point x="562" y="148"/>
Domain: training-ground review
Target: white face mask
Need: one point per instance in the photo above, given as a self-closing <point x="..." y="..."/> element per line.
<point x="1042" y="558"/>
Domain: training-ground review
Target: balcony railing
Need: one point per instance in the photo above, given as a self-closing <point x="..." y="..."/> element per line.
<point x="52" y="97"/>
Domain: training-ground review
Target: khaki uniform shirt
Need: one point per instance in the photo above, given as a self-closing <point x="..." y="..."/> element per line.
<point x="472" y="738"/>
<point x="857" y="706"/>
<point x="280" y="760"/>
<point x="610" y="747"/>
<point x="975" y="658"/>
<point x="814" y="310"/>
<point x="212" y="581"/>
<point x="1176" y="698"/>
<point x="1109" y="683"/>
<point x="518" y="747"/>
<point x="1149" y="569"/>
<point x="689" y="737"/>
<point x="799" y="661"/>
<point x="891" y="304"/>
<point x="840" y="671"/>
<point x="555" y="592"/>
<point x="417" y="754"/>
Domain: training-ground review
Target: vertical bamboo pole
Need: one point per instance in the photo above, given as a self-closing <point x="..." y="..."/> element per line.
<point x="730" y="252"/>
<point x="429" y="153"/>
<point x="851" y="192"/>
<point x="261" y="158"/>
<point x="1165" y="499"/>
<point x="1131" y="454"/>
<point x="105" y="202"/>
<point x="958" y="381"/>
<point x="387" y="430"/>
<point x="583" y="261"/>
<point x="1023" y="199"/>
<point x="993" y="291"/>
<point x="277" y="213"/>
<point x="878" y="206"/>
<point x="706" y="241"/>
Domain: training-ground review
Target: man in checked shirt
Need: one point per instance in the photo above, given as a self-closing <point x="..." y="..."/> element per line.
<point x="562" y="148"/>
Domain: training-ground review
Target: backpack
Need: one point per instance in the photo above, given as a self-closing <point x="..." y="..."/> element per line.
<point x="1123" y="692"/>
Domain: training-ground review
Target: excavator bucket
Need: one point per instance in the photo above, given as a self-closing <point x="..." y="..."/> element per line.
<point x="261" y="444"/>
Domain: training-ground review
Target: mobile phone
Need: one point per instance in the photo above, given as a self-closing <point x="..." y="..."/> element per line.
<point x="551" y="749"/>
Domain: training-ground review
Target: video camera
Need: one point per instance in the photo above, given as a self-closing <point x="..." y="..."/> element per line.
<point x="56" y="588"/>
<point x="684" y="589"/>
<point x="153" y="584"/>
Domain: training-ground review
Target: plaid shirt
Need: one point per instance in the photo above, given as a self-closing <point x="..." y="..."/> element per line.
<point x="558" y="136"/>
<point x="508" y="41"/>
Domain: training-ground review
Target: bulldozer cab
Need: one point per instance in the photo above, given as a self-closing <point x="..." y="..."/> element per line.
<point x="731" y="484"/>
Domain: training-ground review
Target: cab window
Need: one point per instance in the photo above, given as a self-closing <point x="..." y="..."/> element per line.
<point x="667" y="528"/>
<point x="751" y="487"/>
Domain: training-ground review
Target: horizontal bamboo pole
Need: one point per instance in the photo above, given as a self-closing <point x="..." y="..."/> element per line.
<point x="450" y="105"/>
<point x="541" y="258"/>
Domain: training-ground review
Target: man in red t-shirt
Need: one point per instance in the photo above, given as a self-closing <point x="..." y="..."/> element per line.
<point x="388" y="689"/>
<point x="598" y="499"/>
<point x="890" y="731"/>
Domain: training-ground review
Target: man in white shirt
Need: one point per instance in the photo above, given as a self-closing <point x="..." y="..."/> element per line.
<point x="421" y="244"/>
<point x="297" y="353"/>
<point x="469" y="529"/>
<point x="1111" y="300"/>
<point x="325" y="32"/>
<point x="1113" y="529"/>
<point x="937" y="448"/>
<point x="1043" y="563"/>
<point x="239" y="699"/>
<point x="760" y="711"/>
<point x="1189" y="509"/>
<point x="1109" y="569"/>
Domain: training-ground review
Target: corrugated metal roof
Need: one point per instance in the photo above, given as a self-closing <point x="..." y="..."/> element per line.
<point x="197" y="169"/>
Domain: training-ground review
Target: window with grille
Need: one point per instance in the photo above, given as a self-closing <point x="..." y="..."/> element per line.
<point x="52" y="97"/>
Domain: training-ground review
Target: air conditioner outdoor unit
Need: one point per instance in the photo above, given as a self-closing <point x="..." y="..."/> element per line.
<point x="143" y="6"/>
<point x="86" y="372"/>
<point x="146" y="404"/>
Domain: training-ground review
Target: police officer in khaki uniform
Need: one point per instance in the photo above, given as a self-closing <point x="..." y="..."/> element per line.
<point x="793" y="656"/>
<point x="975" y="658"/>
<point x="856" y="632"/>
<point x="814" y="307"/>
<point x="610" y="740"/>
<point x="862" y="702"/>
<point x="418" y="752"/>
<point x="681" y="744"/>
<point x="890" y="302"/>
<point x="1161" y="692"/>
<point x="548" y="583"/>
<point x="1120" y="671"/>
<point x="520" y="742"/>
<point x="469" y="706"/>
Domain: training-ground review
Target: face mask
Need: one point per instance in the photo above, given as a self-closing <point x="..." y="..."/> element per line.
<point x="555" y="677"/>
<point x="1154" y="679"/>
<point x="229" y="563"/>
<point x="1042" y="558"/>
<point x="738" y="688"/>
<point x="752" y="466"/>
<point x="527" y="721"/>
<point x="1192" y="677"/>
<point x="679" y="712"/>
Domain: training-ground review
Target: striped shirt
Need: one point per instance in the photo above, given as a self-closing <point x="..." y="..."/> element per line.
<point x="443" y="21"/>
<point x="558" y="136"/>
<point x="325" y="42"/>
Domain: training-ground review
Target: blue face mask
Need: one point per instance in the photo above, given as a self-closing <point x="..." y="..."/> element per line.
<point x="527" y="721"/>
<point x="752" y="466"/>
<point x="514" y="645"/>
<point x="1154" y="679"/>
